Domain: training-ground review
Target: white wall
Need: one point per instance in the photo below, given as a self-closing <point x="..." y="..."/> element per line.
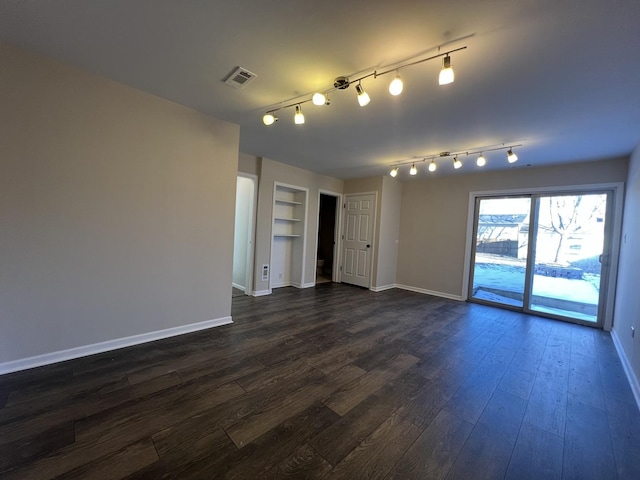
<point x="627" y="308"/>
<point x="241" y="240"/>
<point x="116" y="210"/>
<point x="433" y="224"/>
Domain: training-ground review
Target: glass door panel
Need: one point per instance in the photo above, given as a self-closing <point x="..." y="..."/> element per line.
<point x="499" y="258"/>
<point x="569" y="243"/>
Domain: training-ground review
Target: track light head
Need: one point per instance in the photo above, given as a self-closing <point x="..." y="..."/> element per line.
<point x="446" y="74"/>
<point x="394" y="172"/>
<point x="363" y="97"/>
<point x="341" y="83"/>
<point x="396" y="86"/>
<point x="511" y="157"/>
<point x="456" y="163"/>
<point x="299" y="116"/>
<point x="433" y="166"/>
<point x="481" y="162"/>
<point x="413" y="170"/>
<point x="319" y="99"/>
<point x="269" y="118"/>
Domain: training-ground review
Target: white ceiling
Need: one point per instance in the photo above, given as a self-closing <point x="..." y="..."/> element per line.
<point x="561" y="77"/>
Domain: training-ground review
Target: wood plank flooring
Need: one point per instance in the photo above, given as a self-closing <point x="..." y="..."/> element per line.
<point x="333" y="382"/>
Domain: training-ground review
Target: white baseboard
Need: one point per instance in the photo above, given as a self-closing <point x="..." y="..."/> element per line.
<point x="430" y="292"/>
<point x="626" y="365"/>
<point x="238" y="286"/>
<point x="383" y="288"/>
<point x="261" y="293"/>
<point x="86" y="350"/>
<point x="308" y="285"/>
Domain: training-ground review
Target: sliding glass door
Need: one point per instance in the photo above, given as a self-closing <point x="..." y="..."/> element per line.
<point x="543" y="254"/>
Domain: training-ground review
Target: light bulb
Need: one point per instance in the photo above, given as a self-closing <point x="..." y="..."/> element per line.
<point x="396" y="85"/>
<point x="319" y="99"/>
<point x="413" y="170"/>
<point x="299" y="116"/>
<point x="446" y="74"/>
<point x="432" y="166"/>
<point x="394" y="172"/>
<point x="456" y="163"/>
<point x="269" y="118"/>
<point x="363" y="97"/>
<point x="481" y="162"/>
<point x="511" y="157"/>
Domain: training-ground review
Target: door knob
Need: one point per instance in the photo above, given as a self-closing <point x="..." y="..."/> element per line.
<point x="368" y="246"/>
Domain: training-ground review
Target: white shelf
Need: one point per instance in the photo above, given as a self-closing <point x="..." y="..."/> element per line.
<point x="289" y="221"/>
<point x="287" y="202"/>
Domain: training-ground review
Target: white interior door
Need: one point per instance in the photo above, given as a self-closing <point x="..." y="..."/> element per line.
<point x="358" y="239"/>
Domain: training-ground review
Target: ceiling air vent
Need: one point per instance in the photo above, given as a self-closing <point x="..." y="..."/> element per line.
<point x="240" y="78"/>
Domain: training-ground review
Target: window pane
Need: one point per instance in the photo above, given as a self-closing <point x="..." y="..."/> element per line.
<point x="501" y="250"/>
<point x="569" y="242"/>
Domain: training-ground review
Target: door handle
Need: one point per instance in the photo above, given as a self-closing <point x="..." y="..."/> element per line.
<point x="368" y="246"/>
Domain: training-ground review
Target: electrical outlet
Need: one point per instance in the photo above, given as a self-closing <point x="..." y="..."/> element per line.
<point x="279" y="276"/>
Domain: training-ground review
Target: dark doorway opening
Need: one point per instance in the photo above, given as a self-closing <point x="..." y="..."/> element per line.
<point x="326" y="238"/>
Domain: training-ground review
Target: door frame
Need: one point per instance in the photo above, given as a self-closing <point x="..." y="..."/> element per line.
<point x="337" y="231"/>
<point x="616" y="210"/>
<point x="373" y="231"/>
<point x="251" y="232"/>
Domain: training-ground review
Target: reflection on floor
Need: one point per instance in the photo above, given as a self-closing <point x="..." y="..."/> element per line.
<point x="322" y="279"/>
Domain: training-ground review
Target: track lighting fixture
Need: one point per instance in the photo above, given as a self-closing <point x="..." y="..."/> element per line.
<point x="363" y="97"/>
<point x="446" y="74"/>
<point x="342" y="83"/>
<point x="457" y="164"/>
<point x="511" y="157"/>
<point x="319" y="99"/>
<point x="298" y="118"/>
<point x="396" y="86"/>
<point x="269" y="118"/>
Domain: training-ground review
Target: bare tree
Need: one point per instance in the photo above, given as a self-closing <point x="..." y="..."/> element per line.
<point x="568" y="218"/>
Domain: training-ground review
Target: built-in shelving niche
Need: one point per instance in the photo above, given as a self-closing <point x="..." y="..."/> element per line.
<point x="289" y="228"/>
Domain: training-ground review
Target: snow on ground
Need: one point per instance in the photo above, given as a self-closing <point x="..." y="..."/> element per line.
<point x="510" y="278"/>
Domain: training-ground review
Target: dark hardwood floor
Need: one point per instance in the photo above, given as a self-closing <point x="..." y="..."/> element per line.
<point x="333" y="382"/>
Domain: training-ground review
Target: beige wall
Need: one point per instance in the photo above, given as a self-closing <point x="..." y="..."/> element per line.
<point x="249" y="164"/>
<point x="627" y="309"/>
<point x="433" y="224"/>
<point x="116" y="210"/>
<point x="388" y="240"/>
<point x="271" y="172"/>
